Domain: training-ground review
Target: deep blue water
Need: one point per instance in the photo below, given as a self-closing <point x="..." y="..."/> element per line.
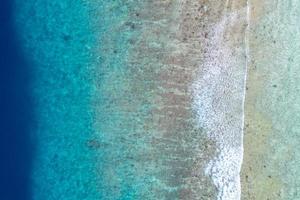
<point x="16" y="112"/>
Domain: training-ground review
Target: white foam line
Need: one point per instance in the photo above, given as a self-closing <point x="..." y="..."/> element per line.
<point x="219" y="101"/>
<point x="247" y="52"/>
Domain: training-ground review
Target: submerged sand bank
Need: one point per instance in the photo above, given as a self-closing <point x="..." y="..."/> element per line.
<point x="195" y="52"/>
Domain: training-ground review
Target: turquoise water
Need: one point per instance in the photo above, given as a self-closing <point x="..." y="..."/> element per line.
<point x="87" y="143"/>
<point x="118" y="91"/>
<point x="58" y="38"/>
<point x="144" y="99"/>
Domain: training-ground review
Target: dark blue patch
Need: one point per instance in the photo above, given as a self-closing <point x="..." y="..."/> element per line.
<point x="16" y="112"/>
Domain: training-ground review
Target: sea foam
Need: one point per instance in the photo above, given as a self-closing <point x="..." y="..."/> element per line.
<point x="219" y="100"/>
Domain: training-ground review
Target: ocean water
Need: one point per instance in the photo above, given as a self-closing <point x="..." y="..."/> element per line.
<point x="57" y="37"/>
<point x="146" y="99"/>
<point x="159" y="135"/>
<point x="148" y="143"/>
<point x="16" y="112"/>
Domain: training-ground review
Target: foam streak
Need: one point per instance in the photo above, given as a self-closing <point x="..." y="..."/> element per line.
<point x="219" y="100"/>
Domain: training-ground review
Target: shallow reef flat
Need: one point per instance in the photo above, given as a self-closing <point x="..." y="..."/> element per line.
<point x="145" y="99"/>
<point x="271" y="158"/>
<point x="153" y="141"/>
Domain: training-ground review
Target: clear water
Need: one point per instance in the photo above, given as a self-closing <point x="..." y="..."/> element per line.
<point x="58" y="37"/>
<point x="145" y="99"/>
<point x="113" y="120"/>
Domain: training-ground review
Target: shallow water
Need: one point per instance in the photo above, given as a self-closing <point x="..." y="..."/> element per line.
<point x="145" y="99"/>
<point x="116" y="89"/>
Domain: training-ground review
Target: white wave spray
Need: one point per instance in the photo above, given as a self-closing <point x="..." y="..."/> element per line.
<point x="219" y="94"/>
